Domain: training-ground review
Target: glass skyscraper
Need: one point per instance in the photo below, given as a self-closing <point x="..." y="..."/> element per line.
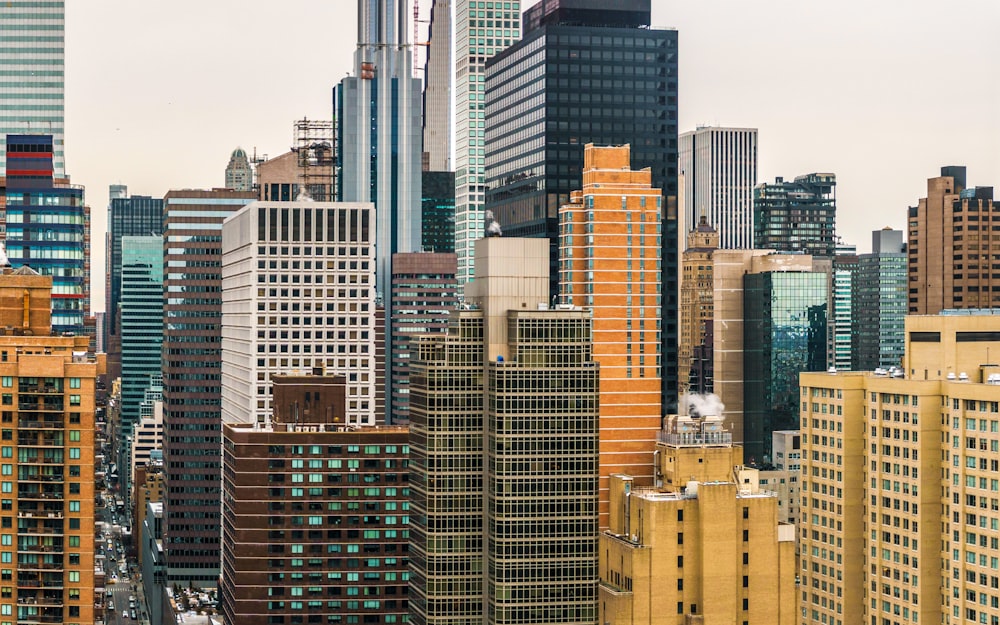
<point x="32" y="67"/>
<point x="45" y="226"/>
<point x="482" y="29"/>
<point x="784" y="334"/>
<point x="136" y="215"/>
<point x="881" y="302"/>
<point x="797" y="216"/>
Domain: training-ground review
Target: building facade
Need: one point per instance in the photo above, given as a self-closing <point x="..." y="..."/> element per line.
<point x="48" y="514"/>
<point x="516" y="543"/>
<point x="36" y="34"/>
<point x="239" y="173"/>
<point x="46" y="225"/>
<point x="843" y="340"/>
<point x="437" y="215"/>
<point x="424" y="291"/>
<point x="798" y="216"/>
<point x="610" y="263"/>
<point x="479" y="33"/>
<point x="899" y="481"/>
<point x="192" y="387"/>
<point x="437" y="96"/>
<point x="706" y="546"/>
<point x="784" y="333"/>
<point x="696" y="309"/>
<point x="298" y="294"/>
<point x="343" y="556"/>
<point x="948" y="249"/>
<point x="881" y="299"/>
<point x="719" y="168"/>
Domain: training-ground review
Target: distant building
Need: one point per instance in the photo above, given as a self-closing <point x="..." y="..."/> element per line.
<point x="154" y="564"/>
<point x="842" y="329"/>
<point x="438" y="213"/>
<point x="949" y="253"/>
<point x="504" y="453"/>
<point x="719" y="169"/>
<point x="239" y="173"/>
<point x="782" y="475"/>
<point x="705" y="546"/>
<point x="46" y="227"/>
<point x="306" y="170"/>
<point x="424" y="292"/>
<point x="332" y="531"/>
<point x="797" y="216"/>
<point x="437" y="99"/>
<point x="298" y="296"/>
<point x="880" y="302"/>
<point x="696" y="309"/>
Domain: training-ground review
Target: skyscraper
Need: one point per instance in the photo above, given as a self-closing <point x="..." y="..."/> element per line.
<point x="480" y="32"/>
<point x="798" y="216"/>
<point x="48" y="385"/>
<point x="694" y="347"/>
<point x="136" y="215"/>
<point x="298" y="295"/>
<point x="880" y="297"/>
<point x="584" y="73"/>
<point x="378" y="133"/>
<point x="950" y="249"/>
<point x="34" y="35"/>
<point x="142" y="334"/>
<point x="192" y="254"/>
<point x="842" y="329"/>
<point x="239" y="174"/>
<point x="719" y="166"/>
<point x="46" y="226"/>
<point x="610" y="263"/>
<point x="503" y="467"/>
<point x="437" y="92"/>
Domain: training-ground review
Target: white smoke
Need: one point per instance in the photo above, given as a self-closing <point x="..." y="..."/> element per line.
<point x="492" y="225"/>
<point x="697" y="405"/>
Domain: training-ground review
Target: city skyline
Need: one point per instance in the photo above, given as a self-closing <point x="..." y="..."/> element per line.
<point x="871" y="114"/>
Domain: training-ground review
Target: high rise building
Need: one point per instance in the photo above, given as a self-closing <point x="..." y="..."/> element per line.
<point x="783" y="474"/>
<point x="479" y="33"/>
<point x="696" y="309"/>
<point x="880" y="298"/>
<point x="504" y="453"/>
<point x="798" y="216"/>
<point x="437" y="92"/>
<point x="46" y="225"/>
<point x="424" y="291"/>
<point x="705" y="546"/>
<point x="949" y="251"/>
<point x="34" y="35"/>
<point x="136" y="215"/>
<point x="47" y="532"/>
<point x="719" y="166"/>
<point x="298" y="295"/>
<point x="571" y="53"/>
<point x="583" y="75"/>
<point x="378" y="133"/>
<point x="610" y="263"/>
<point x="192" y="387"/>
<point x="330" y="537"/>
<point x="785" y="332"/>
<point x="437" y="215"/>
<point x="840" y="350"/>
<point x="899" y="481"/>
<point x="239" y="173"/>
<point x="307" y="169"/>
<point x="142" y="339"/>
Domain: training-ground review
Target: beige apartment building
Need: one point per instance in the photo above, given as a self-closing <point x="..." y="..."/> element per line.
<point x="704" y="546"/>
<point x="900" y="485"/>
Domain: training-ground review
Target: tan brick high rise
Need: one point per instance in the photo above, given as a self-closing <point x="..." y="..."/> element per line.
<point x="697" y="307"/>
<point x="953" y="246"/>
<point x="609" y="247"/>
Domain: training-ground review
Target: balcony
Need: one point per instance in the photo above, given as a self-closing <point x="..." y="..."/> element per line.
<point x="31" y="438"/>
<point x="55" y="600"/>
<point x="37" y="476"/>
<point x="56" y="549"/>
<point x="53" y="403"/>
<point x="40" y="566"/>
<point x="40" y="422"/>
<point x="27" y="493"/>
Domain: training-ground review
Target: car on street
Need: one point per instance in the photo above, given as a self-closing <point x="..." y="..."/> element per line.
<point x="111" y="606"/>
<point x="132" y="614"/>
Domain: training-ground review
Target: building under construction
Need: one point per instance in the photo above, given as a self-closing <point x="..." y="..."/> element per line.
<point x="305" y="171"/>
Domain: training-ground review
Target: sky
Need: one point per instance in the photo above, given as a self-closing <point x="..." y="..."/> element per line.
<point x="881" y="93"/>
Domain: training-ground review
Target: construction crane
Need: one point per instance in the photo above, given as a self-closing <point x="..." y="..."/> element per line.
<point x="416" y="35"/>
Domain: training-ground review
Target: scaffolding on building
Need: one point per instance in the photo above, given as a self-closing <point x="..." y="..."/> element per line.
<point x="313" y="144"/>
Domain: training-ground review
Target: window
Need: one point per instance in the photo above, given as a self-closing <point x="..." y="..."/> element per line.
<point x="74" y="382"/>
<point x="74" y="400"/>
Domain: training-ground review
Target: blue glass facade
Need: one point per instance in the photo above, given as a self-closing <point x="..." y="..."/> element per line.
<point x="45" y="226"/>
<point x="437" y="216"/>
<point x="784" y="334"/>
<point x="139" y="216"/>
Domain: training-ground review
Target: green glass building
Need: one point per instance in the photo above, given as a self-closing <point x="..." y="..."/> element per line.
<point x="784" y="334"/>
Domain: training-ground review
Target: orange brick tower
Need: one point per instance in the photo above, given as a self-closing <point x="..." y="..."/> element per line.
<point x="609" y="250"/>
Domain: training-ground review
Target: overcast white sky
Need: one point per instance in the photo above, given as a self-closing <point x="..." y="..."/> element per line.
<point x="882" y="93"/>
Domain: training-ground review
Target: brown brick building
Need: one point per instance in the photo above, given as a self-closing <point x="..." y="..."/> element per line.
<point x="609" y="242"/>
<point x="953" y="246"/>
<point x="315" y="522"/>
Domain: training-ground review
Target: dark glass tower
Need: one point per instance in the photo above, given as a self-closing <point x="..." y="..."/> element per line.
<point x="583" y="75"/>
<point x="192" y="379"/>
<point x="437" y="217"/>
<point x="784" y="334"/>
<point x="797" y="216"/>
